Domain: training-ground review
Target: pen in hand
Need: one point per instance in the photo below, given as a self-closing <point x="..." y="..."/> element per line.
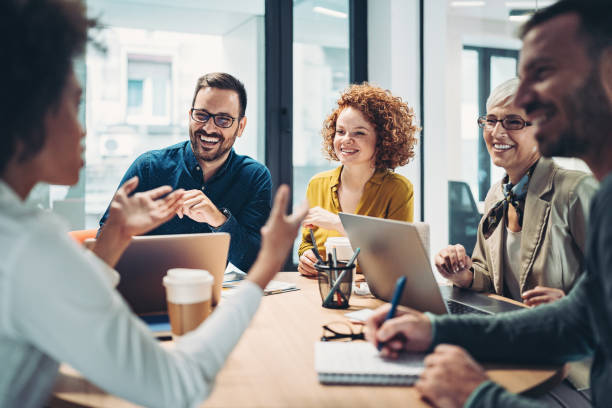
<point x="315" y="248"/>
<point x="397" y="294"/>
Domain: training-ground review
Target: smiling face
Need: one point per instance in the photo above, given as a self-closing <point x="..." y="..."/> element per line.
<point x="560" y="89"/>
<point x="355" y="138"/>
<point x="208" y="141"/>
<point x="60" y="159"/>
<point x="514" y="150"/>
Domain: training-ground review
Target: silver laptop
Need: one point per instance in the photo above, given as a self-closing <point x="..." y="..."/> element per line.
<point x="146" y="260"/>
<point x="390" y="249"/>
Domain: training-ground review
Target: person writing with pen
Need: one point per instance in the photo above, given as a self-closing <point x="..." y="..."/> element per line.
<point x="566" y="91"/>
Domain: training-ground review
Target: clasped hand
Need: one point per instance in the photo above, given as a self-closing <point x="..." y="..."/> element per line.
<point x="134" y="214"/>
<point x="198" y="207"/>
<point x="141" y="212"/>
<point x="450" y="374"/>
<point x="454" y="264"/>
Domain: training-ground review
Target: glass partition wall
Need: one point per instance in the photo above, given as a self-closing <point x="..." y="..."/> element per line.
<point x="138" y="90"/>
<point x="470" y="47"/>
<point x="320" y="74"/>
<point x="442" y="57"/>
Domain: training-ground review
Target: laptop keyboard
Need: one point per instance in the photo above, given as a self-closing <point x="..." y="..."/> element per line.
<point x="460" y="308"/>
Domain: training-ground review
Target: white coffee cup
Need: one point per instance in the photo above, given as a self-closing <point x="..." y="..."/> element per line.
<point x="344" y="252"/>
<point x="189" y="296"/>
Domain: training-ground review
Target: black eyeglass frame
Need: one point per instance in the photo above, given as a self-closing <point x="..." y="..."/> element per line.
<point x="341" y="336"/>
<point x="214" y="117"/>
<point x="482" y="122"/>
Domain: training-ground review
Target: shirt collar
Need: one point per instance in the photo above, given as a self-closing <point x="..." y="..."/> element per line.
<point x="335" y="178"/>
<point x="190" y="161"/>
<point x="377" y="177"/>
<point x="225" y="166"/>
<point x="8" y="195"/>
<point x="194" y="167"/>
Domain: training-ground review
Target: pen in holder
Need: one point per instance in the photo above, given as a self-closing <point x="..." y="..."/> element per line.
<point x="315" y="248"/>
<point x="335" y="283"/>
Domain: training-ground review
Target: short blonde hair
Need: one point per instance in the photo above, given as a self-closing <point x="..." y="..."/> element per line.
<point x="503" y="94"/>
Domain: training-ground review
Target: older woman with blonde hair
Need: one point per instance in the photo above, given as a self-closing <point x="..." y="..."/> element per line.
<point x="531" y="240"/>
<point x="370" y="132"/>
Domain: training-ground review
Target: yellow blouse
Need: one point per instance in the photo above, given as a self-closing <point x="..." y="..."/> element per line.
<point x="385" y="195"/>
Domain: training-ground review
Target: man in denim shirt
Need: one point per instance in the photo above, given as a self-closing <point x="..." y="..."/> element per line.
<point x="225" y="192"/>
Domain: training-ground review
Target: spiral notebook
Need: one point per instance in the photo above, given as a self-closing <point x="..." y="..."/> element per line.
<point x="360" y="363"/>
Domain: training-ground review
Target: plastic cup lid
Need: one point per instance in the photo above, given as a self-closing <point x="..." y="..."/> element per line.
<point x="180" y="276"/>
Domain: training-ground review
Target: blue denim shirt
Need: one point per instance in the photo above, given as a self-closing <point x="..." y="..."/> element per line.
<point x="241" y="185"/>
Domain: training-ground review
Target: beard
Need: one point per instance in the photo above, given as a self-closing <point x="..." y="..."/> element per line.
<point x="589" y="113"/>
<point x="221" y="148"/>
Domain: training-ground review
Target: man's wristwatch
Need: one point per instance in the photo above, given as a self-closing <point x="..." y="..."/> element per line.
<point x="227" y="215"/>
<point x="225" y="212"/>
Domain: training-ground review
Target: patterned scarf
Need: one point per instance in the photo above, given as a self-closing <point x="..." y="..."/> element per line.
<point x="514" y="195"/>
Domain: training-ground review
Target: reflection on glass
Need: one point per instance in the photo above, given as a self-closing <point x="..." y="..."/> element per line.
<point x="469" y="112"/>
<point x="502" y="69"/>
<point x="320" y="73"/>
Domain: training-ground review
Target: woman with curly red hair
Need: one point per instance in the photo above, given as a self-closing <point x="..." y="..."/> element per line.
<point x="371" y="132"/>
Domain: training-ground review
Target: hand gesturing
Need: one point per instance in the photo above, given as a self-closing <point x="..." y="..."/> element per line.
<point x="143" y="211"/>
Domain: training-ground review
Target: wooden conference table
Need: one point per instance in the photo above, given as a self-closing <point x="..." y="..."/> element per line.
<point x="273" y="364"/>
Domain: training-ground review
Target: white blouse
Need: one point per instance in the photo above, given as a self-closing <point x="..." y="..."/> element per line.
<point x="58" y="304"/>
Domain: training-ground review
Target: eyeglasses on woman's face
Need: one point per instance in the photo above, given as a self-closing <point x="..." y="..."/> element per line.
<point x="510" y="122"/>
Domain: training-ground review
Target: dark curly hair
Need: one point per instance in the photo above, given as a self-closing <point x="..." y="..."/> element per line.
<point x="393" y="120"/>
<point x="38" y="41"/>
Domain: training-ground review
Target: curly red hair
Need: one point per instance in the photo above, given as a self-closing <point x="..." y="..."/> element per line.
<point x="393" y="120"/>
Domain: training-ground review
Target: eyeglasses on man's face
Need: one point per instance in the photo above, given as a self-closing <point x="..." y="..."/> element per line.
<point x="221" y="119"/>
<point x="510" y="122"/>
<point x="341" y="331"/>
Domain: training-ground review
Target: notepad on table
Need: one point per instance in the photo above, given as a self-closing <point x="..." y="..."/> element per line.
<point x="360" y="363"/>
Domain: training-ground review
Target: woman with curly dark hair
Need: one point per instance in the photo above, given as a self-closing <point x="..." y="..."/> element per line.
<point x="371" y="132"/>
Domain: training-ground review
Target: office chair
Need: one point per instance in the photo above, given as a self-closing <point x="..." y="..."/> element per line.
<point x="81" y="235"/>
<point x="463" y="216"/>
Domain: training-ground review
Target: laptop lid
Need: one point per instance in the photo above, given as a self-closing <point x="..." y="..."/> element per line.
<point x="390" y="249"/>
<point x="147" y="259"/>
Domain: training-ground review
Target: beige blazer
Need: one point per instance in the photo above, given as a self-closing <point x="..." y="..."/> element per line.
<point x="553" y="235"/>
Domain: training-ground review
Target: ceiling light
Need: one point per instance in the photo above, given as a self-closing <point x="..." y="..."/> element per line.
<point x="329" y="12"/>
<point x="467" y="3"/>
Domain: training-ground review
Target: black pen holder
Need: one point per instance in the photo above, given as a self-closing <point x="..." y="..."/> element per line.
<point x="337" y="278"/>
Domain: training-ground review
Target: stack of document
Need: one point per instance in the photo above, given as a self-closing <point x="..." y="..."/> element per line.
<point x="233" y="276"/>
<point x="275" y="287"/>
